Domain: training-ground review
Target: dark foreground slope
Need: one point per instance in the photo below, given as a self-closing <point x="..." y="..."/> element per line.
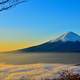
<point x="58" y="46"/>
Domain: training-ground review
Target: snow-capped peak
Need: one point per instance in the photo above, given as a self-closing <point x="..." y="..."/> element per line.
<point x="69" y="36"/>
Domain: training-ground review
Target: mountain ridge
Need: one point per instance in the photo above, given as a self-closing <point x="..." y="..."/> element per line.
<point x="68" y="42"/>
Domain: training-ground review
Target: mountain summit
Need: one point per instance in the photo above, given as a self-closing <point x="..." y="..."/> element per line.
<point x="69" y="36"/>
<point x="68" y="42"/>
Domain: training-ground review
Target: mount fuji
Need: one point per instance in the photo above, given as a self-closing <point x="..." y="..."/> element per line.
<point x="67" y="42"/>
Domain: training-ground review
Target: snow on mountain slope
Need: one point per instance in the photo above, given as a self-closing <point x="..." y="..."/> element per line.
<point x="69" y="36"/>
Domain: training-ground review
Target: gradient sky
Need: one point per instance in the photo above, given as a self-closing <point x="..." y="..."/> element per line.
<point x="36" y="21"/>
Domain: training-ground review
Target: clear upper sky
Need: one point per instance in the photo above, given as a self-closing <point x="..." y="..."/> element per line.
<point x="36" y="21"/>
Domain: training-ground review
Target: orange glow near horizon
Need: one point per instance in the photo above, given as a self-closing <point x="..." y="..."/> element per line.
<point x="10" y="46"/>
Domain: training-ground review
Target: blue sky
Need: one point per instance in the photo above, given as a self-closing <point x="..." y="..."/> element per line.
<point x="39" y="20"/>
